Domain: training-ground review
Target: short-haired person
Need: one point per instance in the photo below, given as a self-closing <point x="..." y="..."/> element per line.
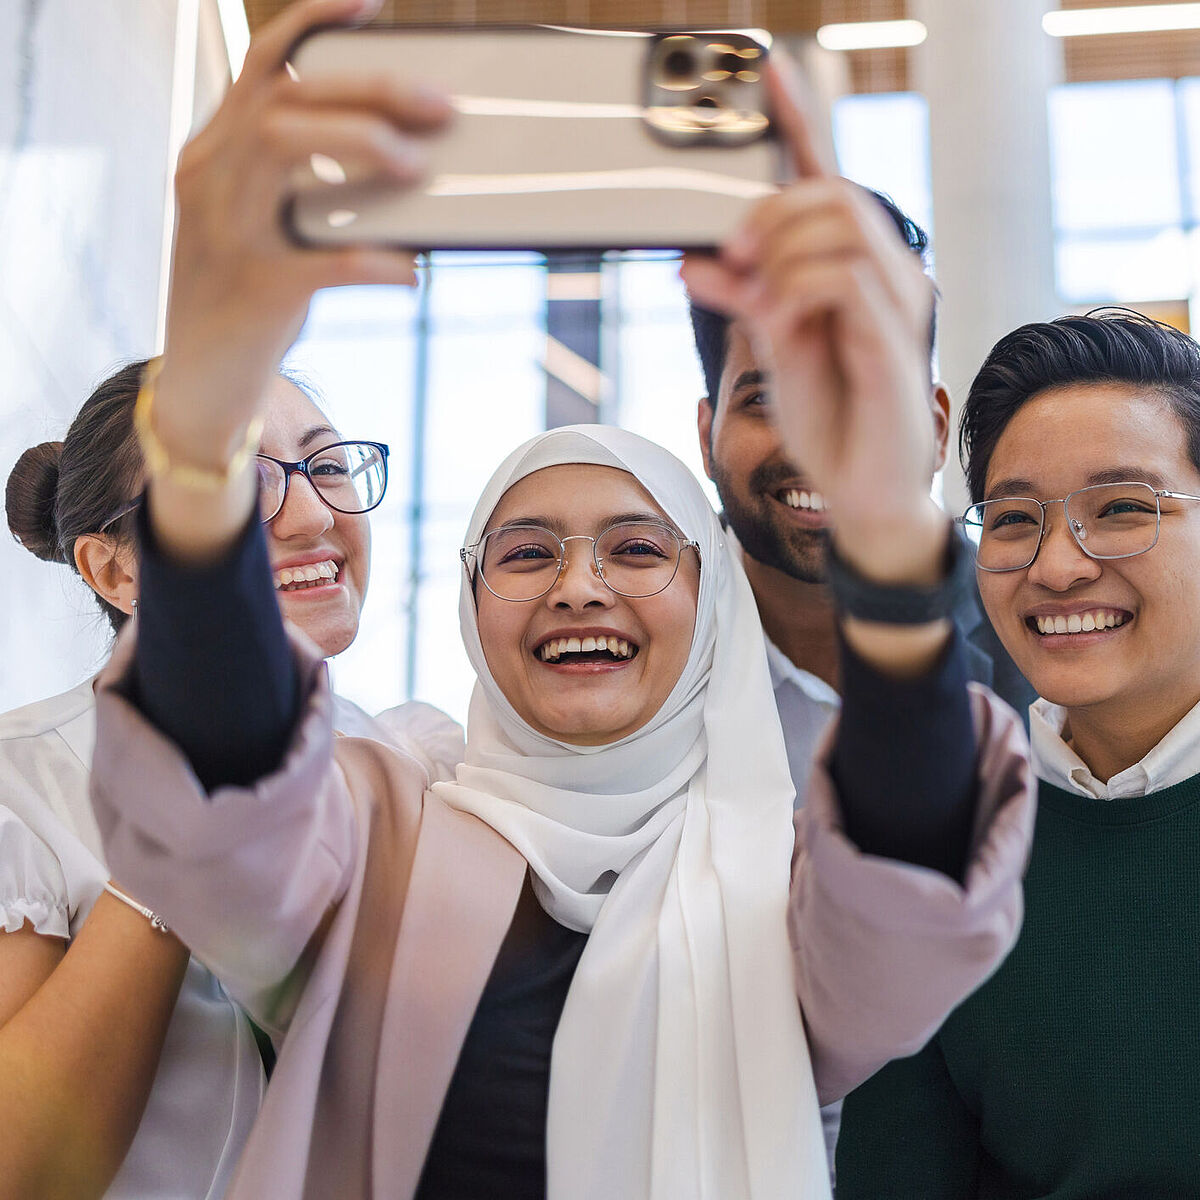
<point x="783" y="527"/>
<point x="601" y="962"/>
<point x="1074" y="1072"/>
<point x="125" y="1068"/>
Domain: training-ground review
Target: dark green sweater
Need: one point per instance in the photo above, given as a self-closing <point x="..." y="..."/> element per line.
<point x="1074" y="1072"/>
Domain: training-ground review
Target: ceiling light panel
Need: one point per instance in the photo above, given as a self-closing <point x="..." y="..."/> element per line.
<point x="1142" y="18"/>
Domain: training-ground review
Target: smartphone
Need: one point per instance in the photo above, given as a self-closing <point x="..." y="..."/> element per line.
<point x="563" y="139"/>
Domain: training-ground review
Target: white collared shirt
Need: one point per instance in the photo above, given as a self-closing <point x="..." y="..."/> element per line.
<point x="1174" y="759"/>
<point x="807" y="705"/>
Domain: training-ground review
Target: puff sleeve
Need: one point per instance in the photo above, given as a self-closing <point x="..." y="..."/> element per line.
<point x="33" y="887"/>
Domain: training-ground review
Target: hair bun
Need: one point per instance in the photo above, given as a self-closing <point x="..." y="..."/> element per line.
<point x="30" y="499"/>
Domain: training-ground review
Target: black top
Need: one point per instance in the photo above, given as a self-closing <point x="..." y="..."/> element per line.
<point x="987" y="660"/>
<point x="491" y="1136"/>
<point x="213" y="672"/>
<point x="213" y="668"/>
<point x="903" y="762"/>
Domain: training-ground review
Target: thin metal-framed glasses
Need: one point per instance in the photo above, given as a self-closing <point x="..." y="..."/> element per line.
<point x="1107" y="521"/>
<point x="349" y="477"/>
<point x="523" y="562"/>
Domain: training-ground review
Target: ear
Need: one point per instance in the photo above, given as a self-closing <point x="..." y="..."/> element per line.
<point x="939" y="408"/>
<point x="704" y="421"/>
<point x="109" y="568"/>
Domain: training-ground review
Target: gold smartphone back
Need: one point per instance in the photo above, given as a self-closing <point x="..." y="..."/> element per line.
<point x="563" y="139"/>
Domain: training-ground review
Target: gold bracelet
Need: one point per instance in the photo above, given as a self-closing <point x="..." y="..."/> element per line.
<point x="158" y="461"/>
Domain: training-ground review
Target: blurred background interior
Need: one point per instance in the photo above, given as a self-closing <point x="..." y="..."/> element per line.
<point x="1053" y="152"/>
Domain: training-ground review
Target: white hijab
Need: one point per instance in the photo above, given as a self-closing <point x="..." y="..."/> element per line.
<point x="680" y="1068"/>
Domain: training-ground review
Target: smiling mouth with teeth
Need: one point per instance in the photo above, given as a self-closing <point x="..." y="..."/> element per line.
<point x="1085" y="622"/>
<point x="296" y="579"/>
<point x="798" y="498"/>
<point x="586" y="649"/>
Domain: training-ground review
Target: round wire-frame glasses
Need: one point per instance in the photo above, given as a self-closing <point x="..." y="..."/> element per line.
<point x="1120" y="520"/>
<point x="632" y="558"/>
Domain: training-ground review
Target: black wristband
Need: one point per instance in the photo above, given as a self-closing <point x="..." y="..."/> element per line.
<point x="860" y="598"/>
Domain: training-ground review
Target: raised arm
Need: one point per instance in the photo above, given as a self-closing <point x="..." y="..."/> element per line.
<point x="906" y="879"/>
<point x="246" y="839"/>
<point x="839" y="312"/>
<point x="212" y="669"/>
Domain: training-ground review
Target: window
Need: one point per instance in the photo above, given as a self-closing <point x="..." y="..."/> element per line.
<point x="1122" y="156"/>
<point x="449" y="378"/>
<point x="882" y="142"/>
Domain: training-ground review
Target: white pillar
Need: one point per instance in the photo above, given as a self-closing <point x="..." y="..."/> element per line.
<point x="986" y="68"/>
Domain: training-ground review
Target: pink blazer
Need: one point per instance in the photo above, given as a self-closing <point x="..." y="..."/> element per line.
<point x="358" y="918"/>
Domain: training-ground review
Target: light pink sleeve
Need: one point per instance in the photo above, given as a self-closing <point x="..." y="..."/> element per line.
<point x="246" y="875"/>
<point x="884" y="950"/>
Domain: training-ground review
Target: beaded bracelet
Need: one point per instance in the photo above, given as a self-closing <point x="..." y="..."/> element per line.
<point x="155" y="920"/>
<point x="158" y="460"/>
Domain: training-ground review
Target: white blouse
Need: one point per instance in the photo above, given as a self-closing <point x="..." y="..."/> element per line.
<point x="210" y="1079"/>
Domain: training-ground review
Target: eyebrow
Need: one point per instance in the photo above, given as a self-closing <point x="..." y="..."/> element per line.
<point x="559" y="526"/>
<point x="1012" y="486"/>
<point x="311" y="435"/>
<point x="751" y="378"/>
<point x="1127" y="474"/>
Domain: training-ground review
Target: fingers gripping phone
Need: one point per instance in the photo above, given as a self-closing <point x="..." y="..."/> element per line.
<point x="563" y="139"/>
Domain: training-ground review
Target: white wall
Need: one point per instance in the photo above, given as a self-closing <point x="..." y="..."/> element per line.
<point x="85" y="106"/>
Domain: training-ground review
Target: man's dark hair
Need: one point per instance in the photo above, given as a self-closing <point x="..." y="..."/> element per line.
<point x="711" y="329"/>
<point x="1106" y="346"/>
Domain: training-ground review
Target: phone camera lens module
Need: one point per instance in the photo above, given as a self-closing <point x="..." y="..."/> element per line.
<point x="679" y="64"/>
<point x="707" y="112"/>
<point x="693" y="91"/>
<point x="677" y="68"/>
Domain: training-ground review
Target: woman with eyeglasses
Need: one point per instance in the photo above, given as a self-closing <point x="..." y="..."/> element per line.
<point x="1072" y="1073"/>
<point x="125" y="1069"/>
<point x="599" y="962"/>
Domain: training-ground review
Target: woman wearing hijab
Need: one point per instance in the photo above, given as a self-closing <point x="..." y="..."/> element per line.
<point x="625" y="902"/>
<point x="573" y="972"/>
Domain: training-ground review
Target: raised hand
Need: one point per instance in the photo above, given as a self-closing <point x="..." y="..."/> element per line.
<point x="839" y="311"/>
<point x="239" y="288"/>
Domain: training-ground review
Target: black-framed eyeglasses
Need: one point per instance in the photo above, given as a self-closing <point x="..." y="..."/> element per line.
<point x="1107" y="521"/>
<point x="524" y="562"/>
<point x="349" y="477"/>
<point x="123" y="511"/>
